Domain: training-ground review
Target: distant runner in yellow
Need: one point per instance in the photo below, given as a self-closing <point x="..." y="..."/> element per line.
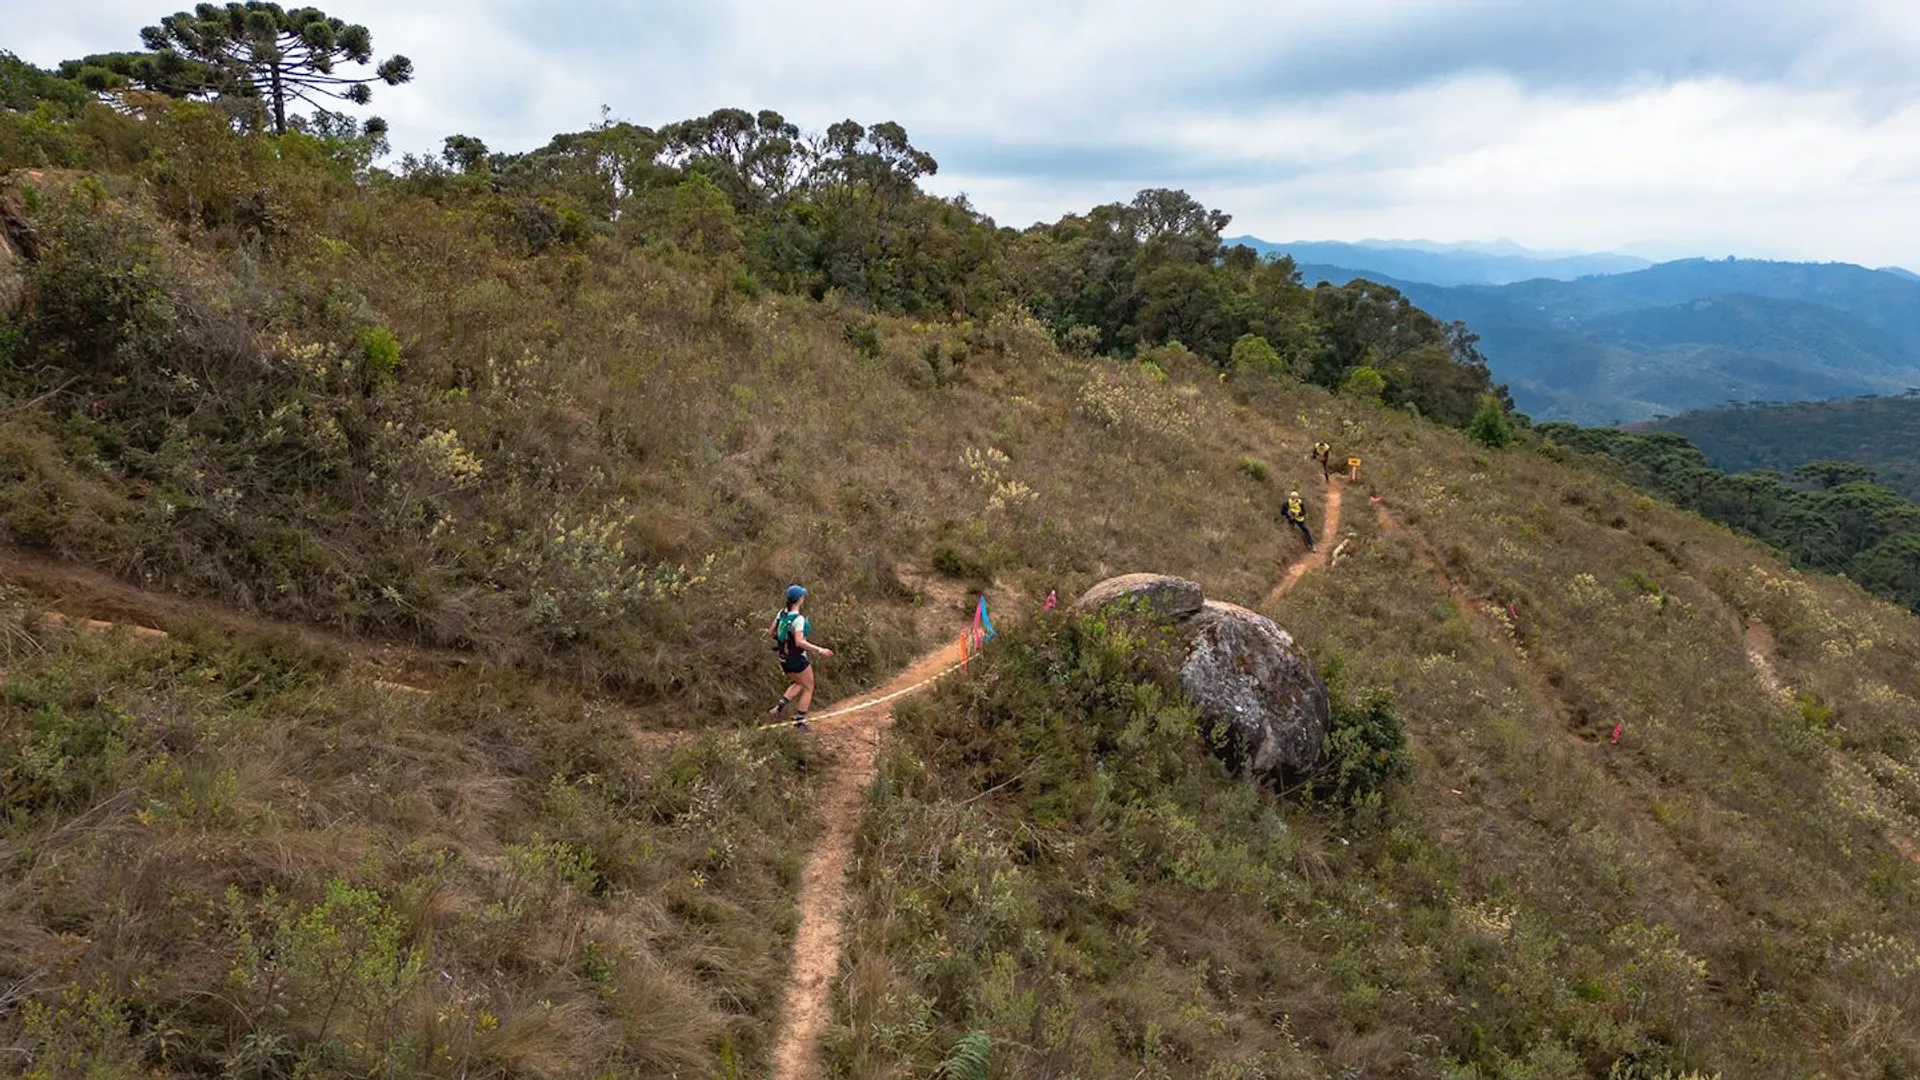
<point x="1322" y="452"/>
<point x="1297" y="517"/>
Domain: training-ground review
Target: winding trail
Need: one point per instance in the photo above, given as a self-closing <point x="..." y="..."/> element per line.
<point x="852" y="732"/>
<point x="824" y="893"/>
<point x="83" y="598"/>
<point x="1312" y="560"/>
<point x="1760" y="646"/>
<point x="1899" y="832"/>
<point x="1571" y="720"/>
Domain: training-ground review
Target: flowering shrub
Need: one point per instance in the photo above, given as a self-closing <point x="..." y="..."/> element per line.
<point x="581" y="576"/>
<point x="988" y="469"/>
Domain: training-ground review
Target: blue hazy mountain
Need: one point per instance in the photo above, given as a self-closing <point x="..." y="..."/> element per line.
<point x="1690" y="334"/>
<point x="1496" y="263"/>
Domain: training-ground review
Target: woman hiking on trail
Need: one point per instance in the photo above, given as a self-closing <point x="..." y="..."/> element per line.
<point x="789" y="632"/>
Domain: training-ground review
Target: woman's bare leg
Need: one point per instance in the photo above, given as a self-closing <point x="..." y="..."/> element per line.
<point x="804" y="680"/>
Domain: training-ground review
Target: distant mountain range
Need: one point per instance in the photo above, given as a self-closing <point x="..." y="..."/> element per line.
<point x="1497" y="263"/>
<point x="1694" y="333"/>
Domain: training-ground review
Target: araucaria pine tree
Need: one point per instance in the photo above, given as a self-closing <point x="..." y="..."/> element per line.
<point x="277" y="54"/>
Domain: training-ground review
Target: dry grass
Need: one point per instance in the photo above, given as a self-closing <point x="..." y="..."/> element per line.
<point x="225" y="859"/>
<point x="1728" y="889"/>
<point x="595" y="467"/>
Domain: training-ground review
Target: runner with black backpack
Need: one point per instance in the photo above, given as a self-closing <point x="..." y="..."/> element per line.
<point x="789" y="633"/>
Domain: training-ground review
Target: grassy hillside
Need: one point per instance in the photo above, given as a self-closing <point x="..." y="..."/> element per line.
<point x="1882" y="433"/>
<point x="1722" y="891"/>
<point x="465" y="505"/>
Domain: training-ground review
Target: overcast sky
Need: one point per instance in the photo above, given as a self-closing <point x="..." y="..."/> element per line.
<point x="1775" y="128"/>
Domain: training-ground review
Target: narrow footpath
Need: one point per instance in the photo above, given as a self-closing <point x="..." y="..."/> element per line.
<point x="1312" y="560"/>
<point x="854" y="733"/>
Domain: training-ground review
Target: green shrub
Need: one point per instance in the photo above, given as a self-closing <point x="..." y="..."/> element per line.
<point x="1366" y="746"/>
<point x="1173" y="358"/>
<point x="1366" y="382"/>
<point x="864" y="336"/>
<point x="1490" y="426"/>
<point x="960" y="564"/>
<point x="971" y="1058"/>
<point x="381" y="351"/>
<point x="1254" y="467"/>
<point x="1253" y="355"/>
<point x="1082" y="341"/>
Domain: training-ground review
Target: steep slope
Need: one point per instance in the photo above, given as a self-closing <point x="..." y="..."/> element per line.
<point x="1625" y="848"/>
<point x="463" y="512"/>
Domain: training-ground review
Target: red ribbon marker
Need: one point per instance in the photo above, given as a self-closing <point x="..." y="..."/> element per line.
<point x="1616" y="730"/>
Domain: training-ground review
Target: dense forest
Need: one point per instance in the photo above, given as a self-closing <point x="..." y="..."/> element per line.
<point x="1828" y="515"/>
<point x="1882" y="433"/>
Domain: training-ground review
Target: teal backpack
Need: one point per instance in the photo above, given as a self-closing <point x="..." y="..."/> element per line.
<point x="783" y="635"/>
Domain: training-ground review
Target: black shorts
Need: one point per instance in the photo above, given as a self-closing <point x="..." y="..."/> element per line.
<point x="794" y="665"/>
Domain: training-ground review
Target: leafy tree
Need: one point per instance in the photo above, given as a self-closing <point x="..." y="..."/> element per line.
<point x="1490" y="426"/>
<point x="1186" y="302"/>
<point x="1365" y="382"/>
<point x="464" y="153"/>
<point x="1173" y="226"/>
<point x="1253" y="355"/>
<point x="1891" y="568"/>
<point x="255" y="50"/>
<point x="600" y="168"/>
<point x="757" y="159"/>
<point x="22" y="86"/>
<point x="1833" y="474"/>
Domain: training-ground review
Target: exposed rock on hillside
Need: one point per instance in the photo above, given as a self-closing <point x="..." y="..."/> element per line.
<point x="1241" y="670"/>
<point x="1166" y="596"/>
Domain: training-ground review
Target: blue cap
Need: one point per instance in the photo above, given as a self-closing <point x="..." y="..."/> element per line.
<point x="795" y="592"/>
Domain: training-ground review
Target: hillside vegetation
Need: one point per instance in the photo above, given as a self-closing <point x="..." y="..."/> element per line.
<point x="465" y="490"/>
<point x="1684" y="335"/>
<point x="1880" y="433"/>
<point x="1829" y="515"/>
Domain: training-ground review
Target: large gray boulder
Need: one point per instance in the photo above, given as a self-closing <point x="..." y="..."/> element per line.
<point x="1242" y="673"/>
<point x="1167" y="597"/>
<point x="1245" y="672"/>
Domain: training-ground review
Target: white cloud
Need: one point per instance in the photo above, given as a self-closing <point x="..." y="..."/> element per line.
<point x="1764" y="127"/>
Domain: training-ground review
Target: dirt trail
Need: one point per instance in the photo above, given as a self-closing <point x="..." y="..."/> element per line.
<point x="854" y="732"/>
<point x="1760" y="645"/>
<point x="1542" y="691"/>
<point x="94" y="600"/>
<point x="1312" y="560"/>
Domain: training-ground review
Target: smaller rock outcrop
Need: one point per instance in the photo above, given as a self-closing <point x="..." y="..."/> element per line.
<point x="1167" y="597"/>
<point x="1241" y="672"/>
